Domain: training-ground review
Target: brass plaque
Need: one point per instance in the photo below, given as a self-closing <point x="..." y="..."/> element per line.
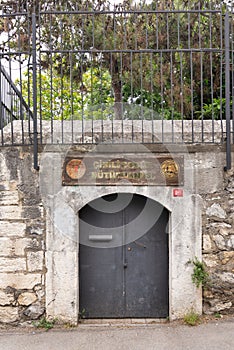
<point x="170" y="168"/>
<point x="75" y="169"/>
<point x="139" y="170"/>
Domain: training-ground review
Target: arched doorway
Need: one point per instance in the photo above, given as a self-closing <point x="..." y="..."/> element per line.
<point x="123" y="258"/>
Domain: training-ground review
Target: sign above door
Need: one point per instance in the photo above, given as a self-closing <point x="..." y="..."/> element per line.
<point x="135" y="169"/>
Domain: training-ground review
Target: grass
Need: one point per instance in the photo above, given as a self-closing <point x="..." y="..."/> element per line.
<point x="192" y="318"/>
<point x="44" y="323"/>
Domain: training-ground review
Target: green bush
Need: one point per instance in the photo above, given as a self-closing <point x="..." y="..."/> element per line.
<point x="199" y="276"/>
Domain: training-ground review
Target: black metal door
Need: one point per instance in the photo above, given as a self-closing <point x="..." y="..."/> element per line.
<point x="123" y="258"/>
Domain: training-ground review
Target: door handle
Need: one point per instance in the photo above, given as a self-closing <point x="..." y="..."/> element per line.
<point x="100" y="238"/>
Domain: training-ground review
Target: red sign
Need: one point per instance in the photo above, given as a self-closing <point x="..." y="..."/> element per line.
<point x="178" y="192"/>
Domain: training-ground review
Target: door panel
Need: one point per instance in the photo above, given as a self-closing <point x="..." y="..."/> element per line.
<point x="130" y="280"/>
<point x="101" y="276"/>
<point x="101" y="272"/>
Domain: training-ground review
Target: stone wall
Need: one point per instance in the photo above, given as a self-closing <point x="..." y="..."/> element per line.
<point x="218" y="247"/>
<point x="23" y="268"/>
<point x="22" y="238"/>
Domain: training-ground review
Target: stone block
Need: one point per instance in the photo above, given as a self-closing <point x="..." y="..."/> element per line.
<point x="230" y="186"/>
<point x="35" y="243"/>
<point x="10" y="212"/>
<point x="9" y="198"/>
<point x="225" y="257"/>
<point x="35" y="260"/>
<point x="203" y="160"/>
<point x="8" y="314"/>
<point x="210" y="260"/>
<point x="27" y="298"/>
<point x="219" y="306"/>
<point x="230" y="242"/>
<point x="9" y="185"/>
<point x="6" y="298"/>
<point x="224" y="231"/>
<point x="34" y="311"/>
<point x="14" y="246"/>
<point x="32" y="212"/>
<point x="61" y="285"/>
<point x="4" y="175"/>
<point x="220" y="242"/>
<point x="12" y="264"/>
<point x="40" y="294"/>
<point x="36" y="229"/>
<point x="8" y="229"/>
<point x="217" y="211"/>
<point x="227" y="277"/>
<point x="209" y="184"/>
<point x="220" y="225"/>
<point x="207" y="243"/>
<point x="208" y="294"/>
<point x="19" y="280"/>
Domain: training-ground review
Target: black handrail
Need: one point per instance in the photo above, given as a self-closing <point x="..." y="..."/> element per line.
<point x="16" y="91"/>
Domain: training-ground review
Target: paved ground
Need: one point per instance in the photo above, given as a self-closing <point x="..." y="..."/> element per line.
<point x="217" y="334"/>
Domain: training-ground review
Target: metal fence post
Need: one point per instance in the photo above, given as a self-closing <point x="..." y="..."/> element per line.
<point x="227" y="92"/>
<point x="34" y="56"/>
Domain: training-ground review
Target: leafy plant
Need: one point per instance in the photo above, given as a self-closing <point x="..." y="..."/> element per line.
<point x="199" y="276"/>
<point x="192" y="318"/>
<point x="82" y="314"/>
<point x="44" y="323"/>
<point x="215" y="110"/>
<point x="56" y="98"/>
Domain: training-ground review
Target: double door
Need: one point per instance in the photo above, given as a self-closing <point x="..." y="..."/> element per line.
<point x="123" y="258"/>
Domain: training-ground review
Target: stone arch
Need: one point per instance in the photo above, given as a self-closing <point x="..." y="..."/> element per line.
<point x="124" y="189"/>
<point x="62" y="247"/>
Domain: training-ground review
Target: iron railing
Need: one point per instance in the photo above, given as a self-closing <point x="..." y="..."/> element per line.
<point x="13" y="106"/>
<point x="98" y="72"/>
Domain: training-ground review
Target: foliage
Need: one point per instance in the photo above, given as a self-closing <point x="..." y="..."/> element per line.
<point x="82" y="314"/>
<point x="199" y="276"/>
<point x="192" y="318"/>
<point x="44" y="323"/>
<point x="172" y="83"/>
<point x="98" y="97"/>
<point x="214" y="110"/>
<point x="93" y="99"/>
<point x="58" y="99"/>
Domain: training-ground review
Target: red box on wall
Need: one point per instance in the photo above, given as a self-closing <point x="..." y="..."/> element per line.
<point x="178" y="192"/>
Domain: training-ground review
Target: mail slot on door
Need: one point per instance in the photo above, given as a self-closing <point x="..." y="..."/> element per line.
<point x="100" y="238"/>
